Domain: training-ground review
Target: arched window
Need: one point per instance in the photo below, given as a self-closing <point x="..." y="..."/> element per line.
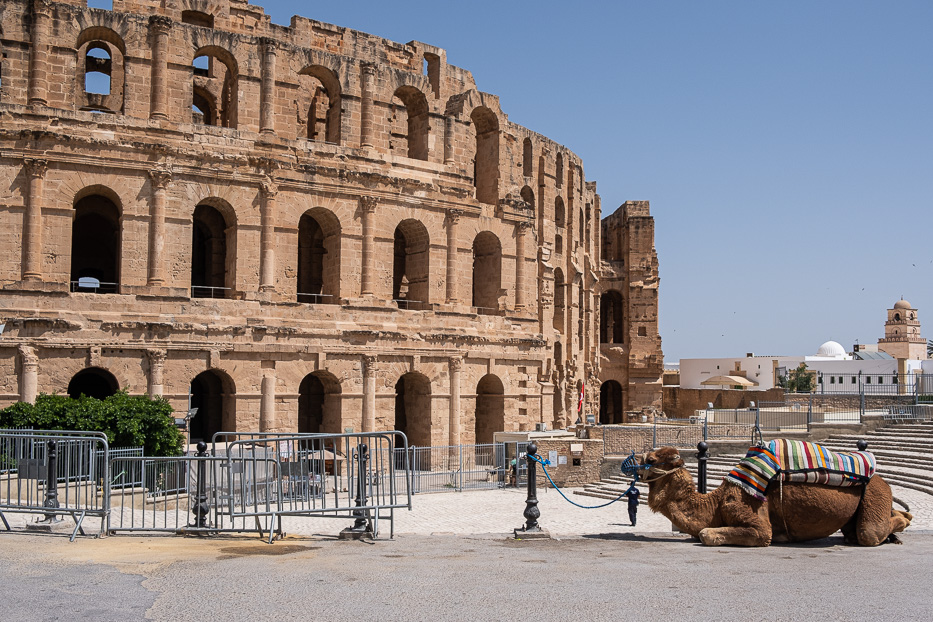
<point x="319" y="99"/>
<point x="212" y="254"/>
<point x="559" y="216"/>
<point x="559" y="300"/>
<point x="318" y="257"/>
<point x="97" y="69"/>
<point x="411" y="266"/>
<point x="490" y="408"/>
<point x="581" y="227"/>
<point x="95" y="246"/>
<point x="527" y="158"/>
<point x="93" y="382"/>
<point x="588" y="215"/>
<point x="559" y="175"/>
<point x="611" y="318"/>
<point x="319" y="404"/>
<point x="101" y="70"/>
<point x="213" y="393"/>
<point x="408" y="123"/>
<point x="559" y="245"/>
<point x="528" y="196"/>
<point x="214" y="72"/>
<point x="610" y="403"/>
<point x="413" y="409"/>
<point x="486" y="159"/>
<point x="487" y="273"/>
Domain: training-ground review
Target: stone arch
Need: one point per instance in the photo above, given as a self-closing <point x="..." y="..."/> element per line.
<point x="486" y="157"/>
<point x="490" y="408"/>
<point x="588" y="226"/>
<point x="409" y="123"/>
<point x="528" y="196"/>
<point x="559" y="171"/>
<point x="220" y="80"/>
<point x="411" y="265"/>
<point x="610" y="403"/>
<point x="96" y="241"/>
<point x="213" y="393"/>
<point x="101" y="70"/>
<point x="413" y="408"/>
<point x="560" y="303"/>
<point x="319" y="237"/>
<point x="487" y="273"/>
<point x="559" y="215"/>
<point x="213" y="249"/>
<point x="319" y="404"/>
<point x="94" y="382"/>
<point x="612" y="317"/>
<point x="319" y="102"/>
<point x="527" y="158"/>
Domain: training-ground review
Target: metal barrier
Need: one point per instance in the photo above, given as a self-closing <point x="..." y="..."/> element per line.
<point x="447" y="468"/>
<point x="55" y="472"/>
<point x="916" y="412"/>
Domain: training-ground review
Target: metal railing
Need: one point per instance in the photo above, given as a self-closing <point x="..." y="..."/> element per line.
<point x="455" y="468"/>
<point x="205" y="291"/>
<point x="93" y="286"/>
<point x="314" y="299"/>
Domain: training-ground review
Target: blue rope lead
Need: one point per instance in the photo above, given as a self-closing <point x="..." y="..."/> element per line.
<point x="545" y="463"/>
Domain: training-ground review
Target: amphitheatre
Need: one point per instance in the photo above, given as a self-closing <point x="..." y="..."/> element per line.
<point x="302" y="228"/>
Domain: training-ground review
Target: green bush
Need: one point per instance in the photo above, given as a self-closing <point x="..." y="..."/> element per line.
<point x="128" y="421"/>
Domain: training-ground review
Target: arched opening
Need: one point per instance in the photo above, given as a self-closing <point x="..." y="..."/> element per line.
<point x="212" y="258"/>
<point x="93" y="382"/>
<point x="487" y="273"/>
<point x="559" y="217"/>
<point x="559" y="300"/>
<point x="610" y="403"/>
<point x="95" y="246"/>
<point x="490" y="408"/>
<point x="413" y="408"/>
<point x="587" y="227"/>
<point x="486" y="159"/>
<point x="214" y="87"/>
<point x="528" y="196"/>
<point x="897" y="317"/>
<point x="100" y="70"/>
<point x="611" y="317"/>
<point x="410" y="266"/>
<point x="319" y="99"/>
<point x="580" y="228"/>
<point x="214" y="395"/>
<point x="559" y="245"/>
<point x="97" y="68"/>
<point x="527" y="158"/>
<point x="559" y="174"/>
<point x="318" y="257"/>
<point x="319" y="404"/>
<point x="408" y="123"/>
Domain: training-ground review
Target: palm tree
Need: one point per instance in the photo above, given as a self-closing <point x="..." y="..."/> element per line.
<point x="930" y="348"/>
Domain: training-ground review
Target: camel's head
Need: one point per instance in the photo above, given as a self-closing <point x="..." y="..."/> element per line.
<point x="661" y="461"/>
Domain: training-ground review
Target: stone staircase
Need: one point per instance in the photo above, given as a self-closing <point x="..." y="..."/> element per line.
<point x="903" y="452"/>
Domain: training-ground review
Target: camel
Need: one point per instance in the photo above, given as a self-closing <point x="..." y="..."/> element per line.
<point x="791" y="512"/>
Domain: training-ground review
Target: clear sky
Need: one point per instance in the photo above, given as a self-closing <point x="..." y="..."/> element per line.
<point x="786" y="147"/>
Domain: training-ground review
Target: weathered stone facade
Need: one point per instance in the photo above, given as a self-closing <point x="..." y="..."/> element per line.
<point x="302" y="228"/>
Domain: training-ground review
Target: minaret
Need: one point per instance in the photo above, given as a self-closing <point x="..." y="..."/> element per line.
<point x="902" y="338"/>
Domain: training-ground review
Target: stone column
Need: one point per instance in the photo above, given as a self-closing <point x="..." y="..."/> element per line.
<point x="453" y="219"/>
<point x="368" y="208"/>
<point x="32" y="220"/>
<point x="156" y="366"/>
<point x="267" y="89"/>
<point x="268" y="190"/>
<point x="159" y="28"/>
<point x="159" y="179"/>
<point x="267" y="404"/>
<point x="455" y="366"/>
<point x="369" y="393"/>
<point x="520" y="233"/>
<point x="38" y="87"/>
<point x="29" y="380"/>
<point x="368" y="73"/>
<point x="448" y="140"/>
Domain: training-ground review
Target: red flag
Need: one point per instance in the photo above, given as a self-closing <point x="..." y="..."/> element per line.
<point x="580" y="404"/>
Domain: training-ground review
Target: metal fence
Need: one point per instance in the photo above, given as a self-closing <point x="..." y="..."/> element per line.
<point x="54" y="472"/>
<point x="449" y="468"/>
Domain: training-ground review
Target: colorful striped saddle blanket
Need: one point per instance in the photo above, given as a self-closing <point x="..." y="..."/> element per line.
<point x="797" y="461"/>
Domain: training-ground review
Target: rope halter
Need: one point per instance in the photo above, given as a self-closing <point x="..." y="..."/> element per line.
<point x="660" y="473"/>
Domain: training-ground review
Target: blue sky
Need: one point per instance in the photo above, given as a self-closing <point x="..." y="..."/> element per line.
<point x="786" y="147"/>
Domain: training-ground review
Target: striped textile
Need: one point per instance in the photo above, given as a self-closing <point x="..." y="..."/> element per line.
<point x="797" y="461"/>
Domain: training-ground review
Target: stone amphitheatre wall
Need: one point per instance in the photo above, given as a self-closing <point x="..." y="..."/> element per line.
<point x="296" y="228"/>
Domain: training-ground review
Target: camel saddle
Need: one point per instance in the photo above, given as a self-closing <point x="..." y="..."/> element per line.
<point x="799" y="461"/>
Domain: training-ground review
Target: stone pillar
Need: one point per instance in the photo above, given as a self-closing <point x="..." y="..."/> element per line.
<point x="159" y="28"/>
<point x="369" y="393"/>
<point x="448" y="140"/>
<point x="159" y="179"/>
<point x="32" y="220"/>
<point x="520" y="233"/>
<point x="38" y="87"/>
<point x="368" y="73"/>
<point x="29" y="380"/>
<point x="267" y="89"/>
<point x="156" y="365"/>
<point x="368" y="208"/>
<point x="455" y="366"/>
<point x="267" y="404"/>
<point x="268" y="191"/>
<point x="453" y="219"/>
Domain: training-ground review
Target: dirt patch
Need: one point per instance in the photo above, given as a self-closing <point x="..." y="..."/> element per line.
<point x="233" y="552"/>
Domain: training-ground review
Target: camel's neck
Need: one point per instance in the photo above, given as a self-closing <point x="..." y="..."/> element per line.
<point x="675" y="497"/>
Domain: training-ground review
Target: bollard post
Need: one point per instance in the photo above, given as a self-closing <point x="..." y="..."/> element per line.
<point x="360" y="526"/>
<point x="51" y="481"/>
<point x="702" y="457"/>
<point x="201" y="508"/>
<point x="531" y="529"/>
<point x="862" y="445"/>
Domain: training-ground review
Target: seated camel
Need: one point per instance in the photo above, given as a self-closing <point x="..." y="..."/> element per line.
<point x="789" y="511"/>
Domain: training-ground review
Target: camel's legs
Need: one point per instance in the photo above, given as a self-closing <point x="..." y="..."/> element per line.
<point x="876" y="519"/>
<point x="735" y="536"/>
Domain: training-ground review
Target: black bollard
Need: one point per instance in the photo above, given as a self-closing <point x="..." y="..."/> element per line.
<point x="702" y="457"/>
<point x="531" y="529"/>
<point x="51" y="481"/>
<point x="201" y="508"/>
<point x="862" y="445"/>
<point x="360" y="526"/>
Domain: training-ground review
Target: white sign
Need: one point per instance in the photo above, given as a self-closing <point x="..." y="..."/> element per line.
<point x="562" y="460"/>
<point x="552" y="456"/>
